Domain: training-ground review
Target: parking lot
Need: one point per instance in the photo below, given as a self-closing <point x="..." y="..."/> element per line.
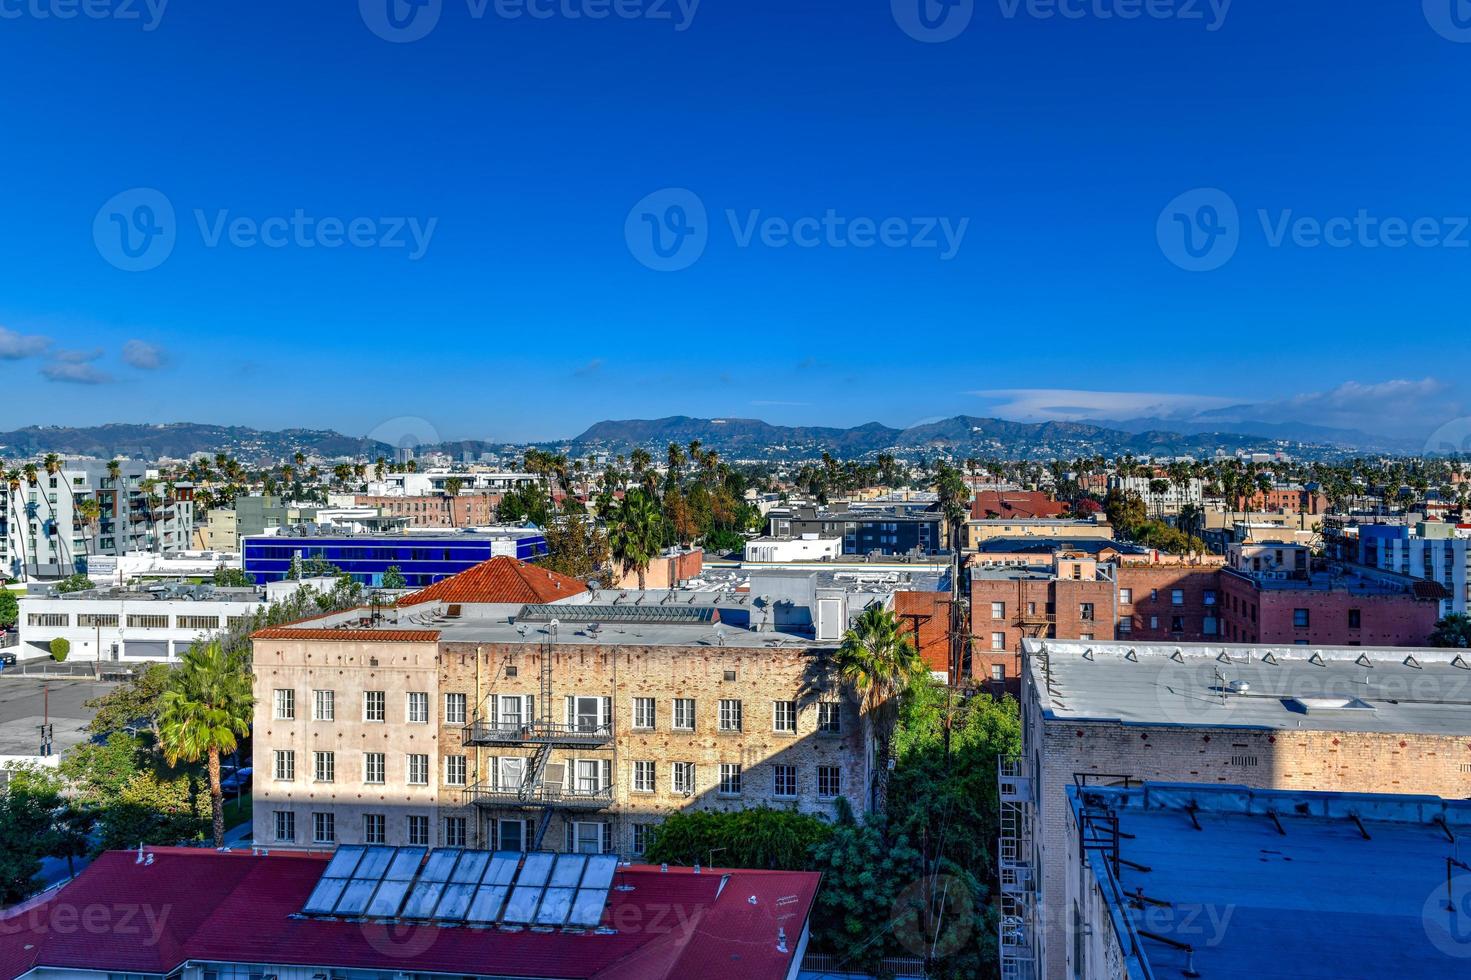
<point x="23" y="705"/>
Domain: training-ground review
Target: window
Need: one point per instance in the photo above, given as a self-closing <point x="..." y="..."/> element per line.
<point x="643" y="777"/>
<point x="324" y="828"/>
<point x="511" y="835"/>
<point x="285" y="765"/>
<point x="730" y="715"/>
<point x="1177" y="597"/>
<point x="998" y="610"/>
<point x="373" y="768"/>
<point x="1177" y="624"/>
<point x="1210" y="626"/>
<point x="589" y="837"/>
<point x="998" y="641"/>
<point x="148" y="622"/>
<point x="1126" y="624"/>
<point x="418" y="707"/>
<point x="783" y="781"/>
<point x="998" y="673"/>
<point x="1154" y="595"/>
<point x="643" y="713"/>
<point x="829" y="782"/>
<point x="514" y="709"/>
<point x="1085" y="636"/>
<point x="1210" y="597"/>
<point x="198" y="622"/>
<point x="454" y="709"/>
<point x="94" y="620"/>
<point x="1355" y="619"/>
<point x="324" y="766"/>
<point x="285" y="826"/>
<point x="418" y="769"/>
<point x="589" y="714"/>
<point x="640" y="837"/>
<point x="684" y="714"/>
<point x="730" y="778"/>
<point x="1085" y="611"/>
<point x="829" y="717"/>
<point x="418" y="831"/>
<point x="324" y="705"/>
<point x="374" y="706"/>
<point x="375" y="828"/>
<point x="454" y="770"/>
<point x="454" y="831"/>
<point x="783" y="716"/>
<point x="1126" y="596"/>
<point x="1154" y="622"/>
<point x="1300" y="618"/>
<point x="594" y="776"/>
<point x="285" y="702"/>
<point x="682" y="778"/>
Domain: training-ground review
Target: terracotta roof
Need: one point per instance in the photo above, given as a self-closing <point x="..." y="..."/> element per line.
<point x="502" y="579"/>
<point x="239" y="907"/>
<point x="993" y="504"/>
<point x="327" y="633"/>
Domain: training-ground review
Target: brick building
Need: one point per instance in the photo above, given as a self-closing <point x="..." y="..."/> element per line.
<point x="510" y="708"/>
<point x="925" y="617"/>
<point x="1350" y="719"/>
<point x="437" y="510"/>
<point x="1285" y="500"/>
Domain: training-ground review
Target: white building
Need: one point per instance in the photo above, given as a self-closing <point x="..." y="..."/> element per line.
<point x="433" y="481"/>
<point x="128" y="624"/>
<point x="1169" y="501"/>
<point x="807" y="547"/>
<point x="43" y="535"/>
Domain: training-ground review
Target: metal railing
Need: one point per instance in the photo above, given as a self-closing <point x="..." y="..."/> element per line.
<point x="483" y="732"/>
<point x="545" y="794"/>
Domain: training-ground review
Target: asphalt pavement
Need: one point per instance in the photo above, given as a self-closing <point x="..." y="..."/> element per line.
<point x="26" y="701"/>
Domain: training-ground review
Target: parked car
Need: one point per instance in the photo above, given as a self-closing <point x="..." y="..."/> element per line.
<point x="239" y="780"/>
<point x="7" y="660"/>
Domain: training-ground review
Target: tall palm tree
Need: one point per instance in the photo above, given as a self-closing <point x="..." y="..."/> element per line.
<point x="205" y="710"/>
<point x="16" y="523"/>
<point x="878" y="661"/>
<point x="636" y="533"/>
<point x="53" y="467"/>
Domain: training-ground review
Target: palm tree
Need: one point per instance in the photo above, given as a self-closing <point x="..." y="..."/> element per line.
<point x="452" y="487"/>
<point x="15" y="521"/>
<point x="878" y="661"/>
<point x="636" y="533"/>
<point x="205" y="709"/>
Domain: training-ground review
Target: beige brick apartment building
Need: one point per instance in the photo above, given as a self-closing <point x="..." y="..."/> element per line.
<point x="1350" y="719"/>
<point x="509" y="708"/>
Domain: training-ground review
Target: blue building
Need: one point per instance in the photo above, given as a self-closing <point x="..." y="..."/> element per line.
<point x="422" y="558"/>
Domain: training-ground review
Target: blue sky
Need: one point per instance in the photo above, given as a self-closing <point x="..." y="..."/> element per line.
<point x="530" y="153"/>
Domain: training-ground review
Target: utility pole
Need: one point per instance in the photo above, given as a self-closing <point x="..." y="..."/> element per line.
<point x="45" y="720"/>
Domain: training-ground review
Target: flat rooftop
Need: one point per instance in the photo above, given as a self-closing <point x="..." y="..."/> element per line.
<point x="1311" y="895"/>
<point x="1417" y="690"/>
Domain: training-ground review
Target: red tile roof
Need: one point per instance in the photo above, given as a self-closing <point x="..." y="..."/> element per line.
<point x="501" y="579"/>
<point x="327" y="633"/>
<point x="194" y="904"/>
<point x="1002" y="504"/>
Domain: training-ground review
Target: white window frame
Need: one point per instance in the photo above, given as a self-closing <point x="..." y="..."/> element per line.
<point x="685" y="707"/>
<point x="682" y="778"/>
<point x="645" y="714"/>
<point x="779" y="770"/>
<point x="455" y="706"/>
<point x="731" y="712"/>
<point x="288" y="757"/>
<point x="730" y="776"/>
<point x="416" y="707"/>
<point x="789" y="709"/>
<point x="368" y="759"/>
<point x="642" y="779"/>
<point x="284" y="704"/>
<point x="324" y="705"/>
<point x="416" y="769"/>
<point x="370" y="699"/>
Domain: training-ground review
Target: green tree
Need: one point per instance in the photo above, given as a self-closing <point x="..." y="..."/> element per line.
<point x="1452" y="631"/>
<point x="636" y="533"/>
<point x="232" y="578"/>
<point x="575" y="545"/>
<point x="760" y="837"/>
<point x="26" y="821"/>
<point x="878" y="661"/>
<point x="60" y="647"/>
<point x="76" y="582"/>
<point x="204" y="710"/>
<point x="9" y="608"/>
<point x="393" y="578"/>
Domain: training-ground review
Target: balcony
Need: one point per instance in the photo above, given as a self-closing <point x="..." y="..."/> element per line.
<point x="543" y="795"/>
<point x="535" y="733"/>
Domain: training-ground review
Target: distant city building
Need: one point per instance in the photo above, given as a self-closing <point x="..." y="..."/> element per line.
<point x="468" y="509"/>
<point x="1427" y="550"/>
<point x="43" y="533"/>
<point x="670" y="569"/>
<point x="991" y="505"/>
<point x="1184" y="879"/>
<point x="422" y="557"/>
<point x="131" y="624"/>
<point x="879" y="530"/>
<point x="1170" y="500"/>
<point x="806" y="547"/>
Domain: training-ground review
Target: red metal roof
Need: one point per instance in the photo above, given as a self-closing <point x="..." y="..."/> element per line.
<point x="194" y="904"/>
<point x="502" y="579"/>
<point x="327" y="633"/>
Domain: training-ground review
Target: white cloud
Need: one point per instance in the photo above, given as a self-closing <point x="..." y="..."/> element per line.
<point x="1070" y="404"/>
<point x="14" y="346"/>
<point x="143" y="355"/>
<point x="75" y="372"/>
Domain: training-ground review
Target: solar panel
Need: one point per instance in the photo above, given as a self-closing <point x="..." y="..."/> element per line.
<point x="423" y="896"/>
<point x="555" y="904"/>
<point x="324" y="897"/>
<point x="587" y="907"/>
<point x="600" y="869"/>
<point x="502" y="870"/>
<point x="343" y="861"/>
<point x="471" y="867"/>
<point x="405" y="863"/>
<point x="627" y="614"/>
<point x="568" y="870"/>
<point x="536" y="869"/>
<point x="485" y="909"/>
<point x="454" y="903"/>
<point x="375" y="861"/>
<point x="387" y="900"/>
<point x="521" y="909"/>
<point x="440" y="864"/>
<point x="355" y="896"/>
